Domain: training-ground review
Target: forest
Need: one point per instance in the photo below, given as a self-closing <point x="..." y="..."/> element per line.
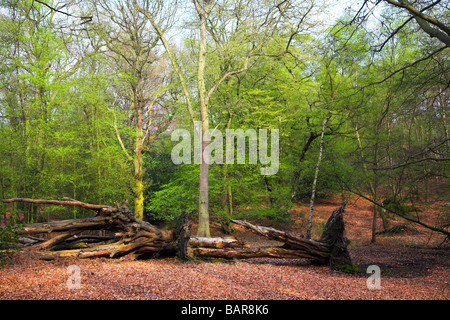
<point x="226" y="116"/>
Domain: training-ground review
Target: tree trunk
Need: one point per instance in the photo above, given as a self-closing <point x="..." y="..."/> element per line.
<point x="130" y="234"/>
<point x="138" y="157"/>
<point x="313" y="193"/>
<point x="227" y="197"/>
<point x="334" y="236"/>
<point x="139" y="189"/>
<point x="216" y="243"/>
<point x="263" y="252"/>
<point x="331" y="249"/>
<point x="183" y="234"/>
<point x="227" y="201"/>
<point x="203" y="208"/>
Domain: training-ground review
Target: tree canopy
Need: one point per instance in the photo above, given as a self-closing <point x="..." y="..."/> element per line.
<point x="91" y="92"/>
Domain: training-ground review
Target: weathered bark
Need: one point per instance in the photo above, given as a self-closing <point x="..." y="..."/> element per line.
<point x="330" y="249"/>
<point x="294" y="246"/>
<point x="83" y="242"/>
<point x="131" y="234"/>
<point x="183" y="234"/>
<point x="262" y="252"/>
<point x="91" y="223"/>
<point x="293" y="241"/>
<point x="60" y="238"/>
<point x="64" y="202"/>
<point x="216" y="243"/>
<point x="334" y="236"/>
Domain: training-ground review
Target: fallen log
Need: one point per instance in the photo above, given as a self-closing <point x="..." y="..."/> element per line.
<point x="142" y="239"/>
<point x="64" y="202"/>
<point x="216" y="243"/>
<point x="131" y="234"/>
<point x="290" y="240"/>
<point x="28" y="241"/>
<point x="59" y="238"/>
<point x="261" y="252"/>
<point x="330" y="249"/>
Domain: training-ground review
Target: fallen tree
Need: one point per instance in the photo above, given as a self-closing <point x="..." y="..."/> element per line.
<point x="128" y="235"/>
<point x="330" y="249"/>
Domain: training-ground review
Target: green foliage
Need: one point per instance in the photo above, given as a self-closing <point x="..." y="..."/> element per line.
<point x="64" y="102"/>
<point x="279" y="203"/>
<point x="176" y="196"/>
<point x="9" y="241"/>
<point x="346" y="268"/>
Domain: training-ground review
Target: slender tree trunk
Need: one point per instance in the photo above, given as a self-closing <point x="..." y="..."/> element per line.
<point x="374" y="193"/>
<point x="312" y="137"/>
<point x="227" y="198"/>
<point x="3" y="197"/>
<point x="374" y="220"/>
<point x="369" y="184"/>
<point x="203" y="208"/>
<point x="384" y="113"/>
<point x="313" y="194"/>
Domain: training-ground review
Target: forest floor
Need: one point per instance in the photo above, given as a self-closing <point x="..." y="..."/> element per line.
<point x="412" y="264"/>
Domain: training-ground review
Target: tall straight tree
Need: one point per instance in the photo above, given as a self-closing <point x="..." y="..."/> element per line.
<point x="254" y="24"/>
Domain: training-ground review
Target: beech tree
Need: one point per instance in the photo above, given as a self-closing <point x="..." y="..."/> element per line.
<point x="251" y="23"/>
<point x="142" y="84"/>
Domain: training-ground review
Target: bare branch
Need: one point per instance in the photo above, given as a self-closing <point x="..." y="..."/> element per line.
<point x="172" y="58"/>
<point x="86" y="19"/>
<point x="130" y="158"/>
<point x="424" y="21"/>
<point x="401" y="215"/>
<point x="418" y="13"/>
<point x="64" y="202"/>
<point x="411" y="163"/>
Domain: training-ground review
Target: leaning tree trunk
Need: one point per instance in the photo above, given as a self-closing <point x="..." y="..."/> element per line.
<point x="316" y="176"/>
